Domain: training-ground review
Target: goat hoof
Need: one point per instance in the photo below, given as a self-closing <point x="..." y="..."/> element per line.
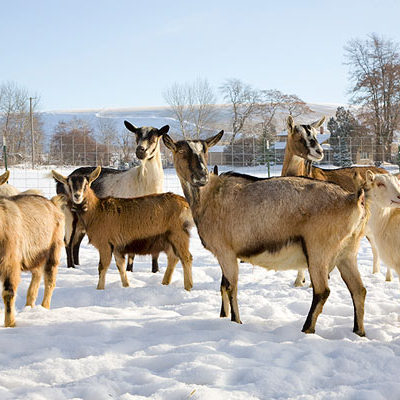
<point x="308" y="330"/>
<point x="359" y="332"/>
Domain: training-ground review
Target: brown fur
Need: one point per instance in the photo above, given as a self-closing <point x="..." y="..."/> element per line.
<point x="260" y="220"/>
<point x="141" y="225"/>
<point x="31" y="237"/>
<point x="297" y="163"/>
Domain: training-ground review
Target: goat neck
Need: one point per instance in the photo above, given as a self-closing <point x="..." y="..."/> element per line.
<point x="294" y="165"/>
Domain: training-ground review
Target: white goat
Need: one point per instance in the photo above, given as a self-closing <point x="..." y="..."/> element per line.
<point x="147" y="178"/>
<point x="384" y="222"/>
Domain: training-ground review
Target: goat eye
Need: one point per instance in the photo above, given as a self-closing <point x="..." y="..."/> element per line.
<point x="181" y="151"/>
<point x="381" y="185"/>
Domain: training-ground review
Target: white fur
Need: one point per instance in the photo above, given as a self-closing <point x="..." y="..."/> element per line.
<point x="383" y="228"/>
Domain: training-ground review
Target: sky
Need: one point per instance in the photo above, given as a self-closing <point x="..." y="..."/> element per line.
<point x="112" y="54"/>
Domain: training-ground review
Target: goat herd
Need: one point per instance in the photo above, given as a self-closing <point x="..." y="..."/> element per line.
<point x="310" y="218"/>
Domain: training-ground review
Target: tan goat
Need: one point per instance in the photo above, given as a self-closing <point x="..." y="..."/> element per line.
<point x="140" y="225"/>
<point x="302" y="148"/>
<point x="277" y="223"/>
<point x="9" y="190"/>
<point x="32" y="232"/>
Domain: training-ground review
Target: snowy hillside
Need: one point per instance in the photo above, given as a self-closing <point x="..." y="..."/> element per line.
<point x="151" y="341"/>
<point x="156" y="116"/>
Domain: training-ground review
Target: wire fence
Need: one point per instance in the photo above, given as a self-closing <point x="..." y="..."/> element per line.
<point x="251" y="155"/>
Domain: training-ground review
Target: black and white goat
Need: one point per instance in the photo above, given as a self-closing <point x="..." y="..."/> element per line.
<point x="147" y="178"/>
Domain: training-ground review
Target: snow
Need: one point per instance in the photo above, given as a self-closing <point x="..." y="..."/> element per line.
<point x="161" y="342"/>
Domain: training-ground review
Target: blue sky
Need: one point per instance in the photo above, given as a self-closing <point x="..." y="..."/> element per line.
<point x="95" y="54"/>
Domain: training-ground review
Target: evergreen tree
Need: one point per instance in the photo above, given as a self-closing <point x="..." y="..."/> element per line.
<point x="341" y="129"/>
<point x="345" y="127"/>
<point x="334" y="142"/>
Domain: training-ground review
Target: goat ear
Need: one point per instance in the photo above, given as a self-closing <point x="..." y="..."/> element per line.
<point x="94" y="175"/>
<point x="130" y="127"/>
<point x="290" y="124"/>
<point x="59" y="178"/>
<point x="4" y="177"/>
<point x="212" y="141"/>
<point x="369" y="176"/>
<point x="317" y="124"/>
<point x="168" y="141"/>
<point x="163" y="130"/>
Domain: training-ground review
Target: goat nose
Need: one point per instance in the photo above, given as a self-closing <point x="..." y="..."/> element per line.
<point x="140" y="148"/>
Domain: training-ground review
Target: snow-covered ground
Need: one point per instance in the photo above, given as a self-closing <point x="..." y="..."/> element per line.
<point x="161" y="342"/>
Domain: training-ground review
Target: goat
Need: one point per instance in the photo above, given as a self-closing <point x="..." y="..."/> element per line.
<point x="9" y="190"/>
<point x="302" y="148"/>
<point x="384" y="221"/>
<point x="277" y="223"/>
<point x="147" y="178"/>
<point x="32" y="231"/>
<point x="140" y="225"/>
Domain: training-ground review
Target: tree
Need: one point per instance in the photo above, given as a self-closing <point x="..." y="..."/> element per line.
<point x="193" y="105"/>
<point x="294" y="105"/>
<point x="107" y="135"/>
<point x="341" y="130"/>
<point x="73" y="143"/>
<point x="15" y="122"/>
<point x="334" y="142"/>
<point x="374" y="66"/>
<point x="243" y="100"/>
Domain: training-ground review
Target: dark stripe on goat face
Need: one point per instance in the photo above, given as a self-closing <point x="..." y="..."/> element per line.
<point x="198" y="161"/>
<point x="147" y="140"/>
<point x="271" y="247"/>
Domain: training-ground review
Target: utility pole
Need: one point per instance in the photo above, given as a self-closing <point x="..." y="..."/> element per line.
<point x="32" y="133"/>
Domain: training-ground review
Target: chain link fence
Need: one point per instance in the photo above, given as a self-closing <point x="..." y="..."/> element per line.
<point x="249" y="155"/>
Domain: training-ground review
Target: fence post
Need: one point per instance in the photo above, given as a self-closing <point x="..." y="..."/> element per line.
<point x="5" y="152"/>
<point x="398" y="155"/>
<point x="268" y="165"/>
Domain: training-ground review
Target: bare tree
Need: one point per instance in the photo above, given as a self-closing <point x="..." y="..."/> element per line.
<point x="294" y="105"/>
<point x="14" y="121"/>
<point x="374" y="66"/>
<point x="193" y="105"/>
<point x="73" y="143"/>
<point x="177" y="98"/>
<point x="243" y="100"/>
<point x="107" y="135"/>
<point x="126" y="146"/>
<point x="271" y="102"/>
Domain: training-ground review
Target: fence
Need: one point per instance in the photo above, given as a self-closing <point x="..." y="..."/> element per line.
<point x="249" y="155"/>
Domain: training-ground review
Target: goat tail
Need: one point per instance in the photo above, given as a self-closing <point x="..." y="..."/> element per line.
<point x="188" y="222"/>
<point x="60" y="201"/>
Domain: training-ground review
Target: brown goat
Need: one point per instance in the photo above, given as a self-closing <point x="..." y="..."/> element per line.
<point x="32" y="232"/>
<point x="277" y="223"/>
<point x="140" y="225"/>
<point x="302" y="148"/>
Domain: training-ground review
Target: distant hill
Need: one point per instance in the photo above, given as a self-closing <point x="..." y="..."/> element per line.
<point x="158" y="116"/>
